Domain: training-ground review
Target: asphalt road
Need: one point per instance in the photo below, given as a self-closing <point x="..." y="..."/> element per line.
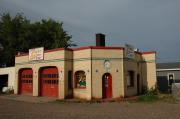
<point x="10" y="109"/>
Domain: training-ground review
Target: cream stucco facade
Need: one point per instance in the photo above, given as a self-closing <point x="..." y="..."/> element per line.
<point x="91" y="60"/>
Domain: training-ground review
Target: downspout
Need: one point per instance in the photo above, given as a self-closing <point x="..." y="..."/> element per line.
<point x="123" y="75"/>
<point x="91" y="73"/>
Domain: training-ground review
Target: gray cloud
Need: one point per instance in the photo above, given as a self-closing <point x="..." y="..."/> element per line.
<point x="147" y="24"/>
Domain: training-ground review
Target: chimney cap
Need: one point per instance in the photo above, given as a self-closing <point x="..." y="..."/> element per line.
<point x="100" y="34"/>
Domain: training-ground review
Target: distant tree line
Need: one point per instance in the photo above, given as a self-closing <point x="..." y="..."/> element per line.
<point x="18" y="34"/>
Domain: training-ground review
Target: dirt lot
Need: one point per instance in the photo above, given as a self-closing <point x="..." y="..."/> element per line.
<point x="10" y="109"/>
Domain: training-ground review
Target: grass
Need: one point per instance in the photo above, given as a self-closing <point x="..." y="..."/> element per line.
<point x="148" y="98"/>
<point x="168" y="98"/>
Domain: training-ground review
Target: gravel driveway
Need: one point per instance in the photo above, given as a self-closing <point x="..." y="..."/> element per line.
<point x="10" y="109"/>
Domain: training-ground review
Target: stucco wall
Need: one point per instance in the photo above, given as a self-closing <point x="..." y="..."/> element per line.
<point x="82" y="62"/>
<point x="150" y="66"/>
<point x="115" y="57"/>
<point x="145" y="66"/>
<point x="55" y="58"/>
<point x="91" y="61"/>
<point x="130" y="65"/>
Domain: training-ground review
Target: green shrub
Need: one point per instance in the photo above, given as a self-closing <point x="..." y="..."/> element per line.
<point x="149" y="96"/>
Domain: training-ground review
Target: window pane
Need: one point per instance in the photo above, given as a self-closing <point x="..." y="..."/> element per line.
<point x="130" y="78"/>
<point x="80" y="78"/>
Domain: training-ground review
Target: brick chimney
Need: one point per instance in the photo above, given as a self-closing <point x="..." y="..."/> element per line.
<point x="100" y="40"/>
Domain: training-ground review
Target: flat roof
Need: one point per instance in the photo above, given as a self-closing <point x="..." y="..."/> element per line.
<point x="170" y="65"/>
<point x="88" y="47"/>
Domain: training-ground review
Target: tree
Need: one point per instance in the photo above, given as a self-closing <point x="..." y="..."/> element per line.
<point x="19" y="34"/>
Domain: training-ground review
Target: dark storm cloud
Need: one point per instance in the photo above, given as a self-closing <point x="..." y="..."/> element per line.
<point x="147" y="24"/>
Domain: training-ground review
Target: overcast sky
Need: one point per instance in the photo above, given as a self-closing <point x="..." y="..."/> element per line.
<point x="146" y="24"/>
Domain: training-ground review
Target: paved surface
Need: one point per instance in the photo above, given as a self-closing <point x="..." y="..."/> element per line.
<point x="11" y="109"/>
<point x="28" y="98"/>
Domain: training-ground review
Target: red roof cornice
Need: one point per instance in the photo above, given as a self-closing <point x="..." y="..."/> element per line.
<point x="87" y="47"/>
<point x="57" y="49"/>
<point x="22" y="54"/>
<point x="46" y="51"/>
<point x="98" y="47"/>
<point x="151" y="52"/>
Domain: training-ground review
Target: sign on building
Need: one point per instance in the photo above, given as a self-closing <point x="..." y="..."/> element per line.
<point x="36" y="54"/>
<point x="129" y="51"/>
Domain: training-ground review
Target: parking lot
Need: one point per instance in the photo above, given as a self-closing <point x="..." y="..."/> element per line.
<point x="12" y="109"/>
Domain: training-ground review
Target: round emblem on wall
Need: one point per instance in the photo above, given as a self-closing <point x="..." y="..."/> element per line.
<point x="107" y="64"/>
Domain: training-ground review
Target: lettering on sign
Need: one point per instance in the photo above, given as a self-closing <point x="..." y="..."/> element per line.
<point x="36" y="54"/>
<point x="129" y="51"/>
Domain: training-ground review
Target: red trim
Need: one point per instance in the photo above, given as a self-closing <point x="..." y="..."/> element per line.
<point x="138" y="52"/>
<point x="98" y="47"/>
<point x="89" y="47"/>
<point x="144" y="53"/>
<point x="22" y="54"/>
<point x="151" y="52"/>
<point x="52" y="50"/>
<point x="81" y="48"/>
<point x="46" y="51"/>
<point x="57" y="49"/>
<point x="111" y="48"/>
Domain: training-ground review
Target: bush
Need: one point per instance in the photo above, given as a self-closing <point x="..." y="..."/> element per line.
<point x="149" y="95"/>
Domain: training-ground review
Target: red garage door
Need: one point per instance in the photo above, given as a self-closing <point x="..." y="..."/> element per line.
<point x="26" y="81"/>
<point x="49" y="82"/>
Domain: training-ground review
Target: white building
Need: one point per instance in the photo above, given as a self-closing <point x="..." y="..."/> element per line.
<point x="7" y="76"/>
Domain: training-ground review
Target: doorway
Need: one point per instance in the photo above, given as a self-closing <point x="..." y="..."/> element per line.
<point x="26" y="81"/>
<point x="107" y="85"/>
<point x="49" y="82"/>
<point x="138" y="84"/>
<point x="3" y="81"/>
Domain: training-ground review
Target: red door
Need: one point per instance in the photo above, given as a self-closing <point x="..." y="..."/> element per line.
<point x="107" y="86"/>
<point x="26" y="81"/>
<point x="49" y="82"/>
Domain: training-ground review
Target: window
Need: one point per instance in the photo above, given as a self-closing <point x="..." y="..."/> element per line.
<point x="130" y="78"/>
<point x="57" y="76"/>
<point x="49" y="75"/>
<point x="52" y="76"/>
<point x="170" y="78"/>
<point x="80" y="79"/>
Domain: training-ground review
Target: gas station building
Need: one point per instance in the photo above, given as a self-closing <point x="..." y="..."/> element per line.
<point x="92" y="72"/>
